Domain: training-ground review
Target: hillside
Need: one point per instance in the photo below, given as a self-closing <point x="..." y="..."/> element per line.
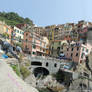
<point x="10" y="82"/>
<point x="12" y="18"/>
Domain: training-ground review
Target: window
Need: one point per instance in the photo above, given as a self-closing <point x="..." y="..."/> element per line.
<point x="26" y="40"/>
<point x="55" y="65"/>
<point x="59" y="43"/>
<point x="47" y="64"/>
<point x="72" y="49"/>
<point x="34" y="41"/>
<point x="77" y="48"/>
<point x="58" y="50"/>
<point x="83" y="49"/>
<point x="87" y="50"/>
<point x="40" y="49"/>
<point x="6" y="29"/>
<point x="36" y="63"/>
<point x="40" y="43"/>
<point x="52" y="48"/>
<point x="26" y="47"/>
<point x="20" y="37"/>
<point x="62" y="47"/>
<point x="29" y="52"/>
<point x="34" y="53"/>
<point x="34" y="46"/>
<point x="71" y="54"/>
<point x="17" y="31"/>
<point x="26" y="34"/>
<point x="76" y="54"/>
<point x="82" y="55"/>
<point x="67" y="49"/>
<point x="44" y="45"/>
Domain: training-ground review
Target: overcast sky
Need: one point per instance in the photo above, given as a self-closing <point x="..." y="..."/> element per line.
<point x="49" y="12"/>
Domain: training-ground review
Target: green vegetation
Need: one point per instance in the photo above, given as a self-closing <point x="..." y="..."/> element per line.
<point x="5" y="35"/>
<point x="15" y="68"/>
<point x="24" y="71"/>
<point x="60" y="76"/>
<point x="27" y="64"/>
<point x="12" y="19"/>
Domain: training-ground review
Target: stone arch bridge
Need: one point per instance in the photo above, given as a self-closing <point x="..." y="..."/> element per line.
<point x="44" y="66"/>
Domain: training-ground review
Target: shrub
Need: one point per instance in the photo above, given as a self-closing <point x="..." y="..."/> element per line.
<point x="15" y="68"/>
<point x="24" y="71"/>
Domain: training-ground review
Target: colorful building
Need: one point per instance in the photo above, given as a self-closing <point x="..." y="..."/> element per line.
<point x="34" y="44"/>
<point x="76" y="51"/>
<point x="5" y="31"/>
<point x="27" y="42"/>
<point x="58" y="46"/>
<point x="18" y="34"/>
<point x="39" y="30"/>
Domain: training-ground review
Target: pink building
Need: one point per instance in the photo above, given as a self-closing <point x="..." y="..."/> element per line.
<point x="34" y="44"/>
<point x="76" y="52"/>
<point x="38" y="45"/>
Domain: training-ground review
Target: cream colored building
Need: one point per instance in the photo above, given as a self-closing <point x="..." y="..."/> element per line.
<point x="18" y="33"/>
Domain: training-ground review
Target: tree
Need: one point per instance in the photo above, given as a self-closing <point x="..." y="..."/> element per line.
<point x="12" y="18"/>
<point x="24" y="71"/>
<point x="28" y="21"/>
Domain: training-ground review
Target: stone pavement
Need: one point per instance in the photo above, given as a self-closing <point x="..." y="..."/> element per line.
<point x="10" y="82"/>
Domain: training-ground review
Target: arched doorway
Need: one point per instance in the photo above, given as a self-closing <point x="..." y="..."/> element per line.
<point x="40" y="71"/>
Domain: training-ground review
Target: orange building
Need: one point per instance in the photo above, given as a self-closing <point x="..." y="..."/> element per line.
<point x="5" y="31"/>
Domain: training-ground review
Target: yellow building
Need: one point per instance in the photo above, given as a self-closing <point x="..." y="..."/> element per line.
<point x="45" y="39"/>
<point x="58" y="46"/>
<point x="50" y="32"/>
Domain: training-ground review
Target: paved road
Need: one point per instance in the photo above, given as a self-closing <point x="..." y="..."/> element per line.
<point x="10" y="82"/>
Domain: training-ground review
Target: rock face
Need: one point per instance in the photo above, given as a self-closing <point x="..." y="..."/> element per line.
<point x="51" y="83"/>
<point x="10" y="82"/>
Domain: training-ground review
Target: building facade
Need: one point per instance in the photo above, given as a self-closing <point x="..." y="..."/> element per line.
<point x="5" y="31"/>
<point x="58" y="46"/>
<point x="34" y="44"/>
<point x="59" y="32"/>
<point x="27" y="42"/>
<point x="76" y="52"/>
<point x="39" y="30"/>
<point x="18" y="34"/>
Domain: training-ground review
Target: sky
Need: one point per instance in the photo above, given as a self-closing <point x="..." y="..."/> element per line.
<point x="49" y="12"/>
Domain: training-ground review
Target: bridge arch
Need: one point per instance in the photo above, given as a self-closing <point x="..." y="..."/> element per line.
<point x="41" y="71"/>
